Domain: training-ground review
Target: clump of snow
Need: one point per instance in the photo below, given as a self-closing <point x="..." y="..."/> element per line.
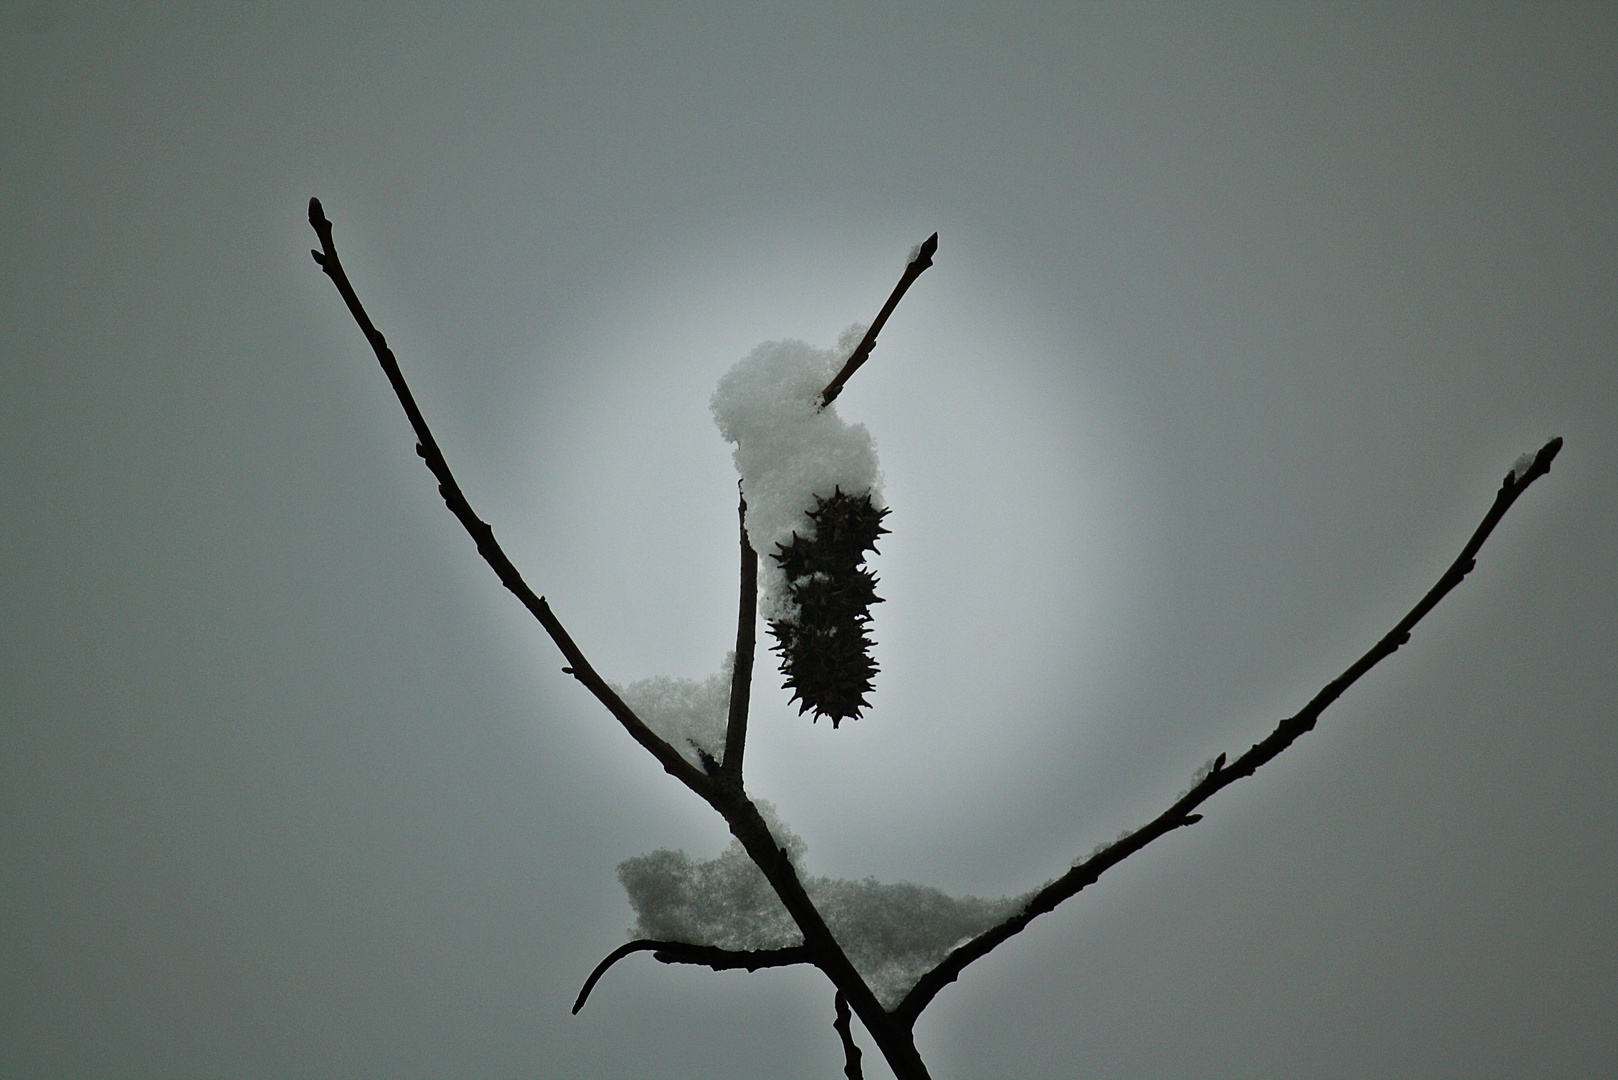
<point x="688" y="715"/>
<point x="1123" y="834"/>
<point x="893" y="933"/>
<point x="789" y="449"/>
<point x="1522" y="465"/>
<point x="852" y="335"/>
<point x="896" y="933"/>
<point x="724" y="902"/>
<point x="1202" y="773"/>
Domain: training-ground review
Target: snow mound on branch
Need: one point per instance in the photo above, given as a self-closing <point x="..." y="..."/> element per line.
<point x="789" y="449"/>
<point x="688" y="715"/>
<point x="893" y="933"/>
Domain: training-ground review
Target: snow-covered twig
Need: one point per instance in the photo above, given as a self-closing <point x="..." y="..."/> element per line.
<point x="1219" y="775"/>
<point x="724" y="793"/>
<point x="720" y="783"/>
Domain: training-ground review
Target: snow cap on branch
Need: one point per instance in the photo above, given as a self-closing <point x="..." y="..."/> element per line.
<point x="690" y="716"/>
<point x="893" y="933"/>
<point x="790" y="450"/>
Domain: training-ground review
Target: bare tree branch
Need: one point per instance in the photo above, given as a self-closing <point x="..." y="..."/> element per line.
<point x="862" y="352"/>
<point x="893" y="1038"/>
<point x="1087" y="871"/>
<point x="711" y="956"/>
<point x="720" y="784"/>
<point x="845" y="1032"/>
<point x="482" y="535"/>
<point x="728" y="798"/>
<point x="741" y="675"/>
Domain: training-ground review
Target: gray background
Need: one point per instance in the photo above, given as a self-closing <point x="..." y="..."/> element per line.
<point x="1239" y="316"/>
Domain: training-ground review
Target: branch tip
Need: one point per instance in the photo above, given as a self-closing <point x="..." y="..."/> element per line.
<point x="925" y="253"/>
<point x="920" y="261"/>
<point x="680" y="952"/>
<point x="1539" y="466"/>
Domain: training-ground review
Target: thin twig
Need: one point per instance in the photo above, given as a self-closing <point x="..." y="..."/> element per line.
<point x="711" y="956"/>
<point x="741" y="675"/>
<point x="1179" y="815"/>
<point x="845" y="1031"/>
<point x="862" y="352"/>
<point x="482" y="535"/>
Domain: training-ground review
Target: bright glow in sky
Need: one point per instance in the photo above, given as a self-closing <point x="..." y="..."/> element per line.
<point x="1013" y="546"/>
<point x="1238" y="318"/>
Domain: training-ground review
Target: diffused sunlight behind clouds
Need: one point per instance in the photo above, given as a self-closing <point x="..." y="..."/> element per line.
<point x="1015" y="539"/>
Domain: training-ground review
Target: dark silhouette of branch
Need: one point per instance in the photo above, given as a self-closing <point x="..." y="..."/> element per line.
<point x="680" y="952"/>
<point x="845" y="1032"/>
<point x="482" y="535"/>
<point x="719" y="790"/>
<point x="741" y="675"/>
<point x="1218" y="776"/>
<point x="862" y="352"/>
<point x="893" y="1038"/>
<point x="720" y="783"/>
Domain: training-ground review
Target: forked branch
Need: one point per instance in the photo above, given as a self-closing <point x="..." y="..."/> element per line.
<point x="1219" y="775"/>
<point x="720" y="783"/>
<point x="720" y="789"/>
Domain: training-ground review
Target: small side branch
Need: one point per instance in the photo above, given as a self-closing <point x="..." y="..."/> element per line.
<point x="1219" y="775"/>
<point x="679" y="952"/>
<point x="482" y="535"/>
<point x="845" y="1032"/>
<point x="862" y="352"/>
<point x="741" y="676"/>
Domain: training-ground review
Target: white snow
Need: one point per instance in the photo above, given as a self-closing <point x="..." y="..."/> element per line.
<point x="1197" y="777"/>
<point x="789" y="449"/>
<point x="1522" y="465"/>
<point x="687" y="714"/>
<point x="893" y="933"/>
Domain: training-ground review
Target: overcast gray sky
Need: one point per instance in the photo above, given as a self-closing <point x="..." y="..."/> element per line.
<point x="1240" y="313"/>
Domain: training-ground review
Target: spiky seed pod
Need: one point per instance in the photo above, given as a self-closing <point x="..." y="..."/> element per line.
<point x="826" y="650"/>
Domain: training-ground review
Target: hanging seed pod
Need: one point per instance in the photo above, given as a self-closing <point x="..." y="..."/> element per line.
<point x="826" y="650"/>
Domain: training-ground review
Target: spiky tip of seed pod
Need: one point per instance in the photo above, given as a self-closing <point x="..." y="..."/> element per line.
<point x="826" y="650"/>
